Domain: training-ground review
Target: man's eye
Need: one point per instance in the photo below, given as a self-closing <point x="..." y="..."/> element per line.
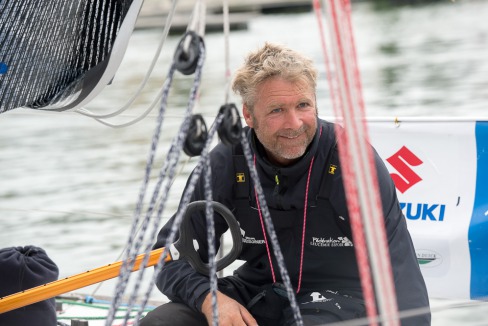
<point x="304" y="105"/>
<point x="276" y="110"/>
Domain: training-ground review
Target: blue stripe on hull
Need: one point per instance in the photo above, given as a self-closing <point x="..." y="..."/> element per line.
<point x="478" y="229"/>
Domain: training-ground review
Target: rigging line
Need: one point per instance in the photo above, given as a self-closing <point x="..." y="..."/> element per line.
<point x="67" y="113"/>
<point x="211" y="240"/>
<point x="154" y="143"/>
<point x="378" y="223"/>
<point x="364" y="171"/>
<point x="345" y="151"/>
<point x="168" y="23"/>
<point x="202" y="20"/>
<point x="270" y="229"/>
<point x="119" y="257"/>
<point x="378" y="235"/>
<point x="331" y="81"/>
<point x="227" y="50"/>
<point x="356" y="225"/>
<point x="170" y="165"/>
<point x="166" y="170"/>
<point x="178" y="147"/>
<point x="197" y="21"/>
<point x="347" y="92"/>
<point x="152" y="153"/>
<point x="169" y="171"/>
<point x="185" y="199"/>
<point x="137" y="118"/>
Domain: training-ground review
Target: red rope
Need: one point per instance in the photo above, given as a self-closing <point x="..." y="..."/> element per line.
<point x="359" y="170"/>
<point x="386" y="290"/>
<point x="354" y="211"/>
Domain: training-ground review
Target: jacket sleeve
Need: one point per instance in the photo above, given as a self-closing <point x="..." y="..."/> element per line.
<point x="409" y="283"/>
<point x="178" y="280"/>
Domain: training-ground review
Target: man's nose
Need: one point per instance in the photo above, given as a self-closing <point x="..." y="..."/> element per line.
<point x="293" y="119"/>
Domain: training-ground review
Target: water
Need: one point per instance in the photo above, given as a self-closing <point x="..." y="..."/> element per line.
<point x="69" y="184"/>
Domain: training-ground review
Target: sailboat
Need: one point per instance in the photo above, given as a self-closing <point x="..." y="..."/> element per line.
<point x="418" y="170"/>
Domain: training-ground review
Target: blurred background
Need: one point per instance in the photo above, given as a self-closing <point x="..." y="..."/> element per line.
<point x="69" y="184"/>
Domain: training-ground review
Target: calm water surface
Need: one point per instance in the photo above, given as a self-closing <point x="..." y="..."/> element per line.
<point x="69" y="184"/>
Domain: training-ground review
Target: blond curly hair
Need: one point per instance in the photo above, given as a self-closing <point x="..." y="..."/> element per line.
<point x="272" y="60"/>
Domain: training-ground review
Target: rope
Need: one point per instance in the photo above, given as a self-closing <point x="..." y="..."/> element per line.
<point x="209" y="214"/>
<point x="132" y="249"/>
<point x="360" y="178"/>
<point x="185" y="199"/>
<point x="227" y="50"/>
<point x="270" y="229"/>
<point x="168" y="169"/>
<point x="122" y="280"/>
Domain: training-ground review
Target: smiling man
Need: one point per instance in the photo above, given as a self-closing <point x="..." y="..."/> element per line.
<point x="295" y="155"/>
<point x="284" y="118"/>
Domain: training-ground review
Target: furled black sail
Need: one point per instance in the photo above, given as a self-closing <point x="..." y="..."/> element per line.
<point x="54" y="55"/>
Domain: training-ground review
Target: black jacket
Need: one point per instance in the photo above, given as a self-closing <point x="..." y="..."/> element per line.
<point x="329" y="256"/>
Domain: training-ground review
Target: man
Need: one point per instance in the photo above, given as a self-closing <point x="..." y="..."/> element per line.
<point x="293" y="151"/>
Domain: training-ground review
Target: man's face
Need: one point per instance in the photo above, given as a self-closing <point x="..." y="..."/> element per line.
<point x="284" y="118"/>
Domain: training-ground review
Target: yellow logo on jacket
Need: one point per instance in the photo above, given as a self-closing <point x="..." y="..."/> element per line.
<point x="240" y="177"/>
<point x="332" y="168"/>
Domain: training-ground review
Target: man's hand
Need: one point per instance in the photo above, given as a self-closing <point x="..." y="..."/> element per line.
<point x="231" y="313"/>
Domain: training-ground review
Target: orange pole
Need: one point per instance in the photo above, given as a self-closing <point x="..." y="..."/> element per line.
<point x="52" y="289"/>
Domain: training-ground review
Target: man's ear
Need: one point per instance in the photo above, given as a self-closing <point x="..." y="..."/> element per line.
<point x="247" y="116"/>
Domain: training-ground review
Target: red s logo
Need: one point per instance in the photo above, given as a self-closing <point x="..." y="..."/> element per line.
<point x="401" y="161"/>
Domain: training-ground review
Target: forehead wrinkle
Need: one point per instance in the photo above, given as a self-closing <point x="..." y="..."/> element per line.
<point x="281" y="97"/>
